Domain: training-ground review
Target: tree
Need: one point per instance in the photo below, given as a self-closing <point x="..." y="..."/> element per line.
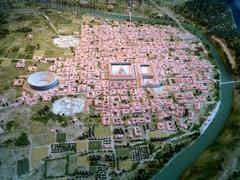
<point x="22" y="140"/>
<point x="3" y="32"/>
<point x="238" y="86"/>
<point x="38" y="46"/>
<point x="24" y="30"/>
<point x="2" y="19"/>
<point x="151" y="147"/>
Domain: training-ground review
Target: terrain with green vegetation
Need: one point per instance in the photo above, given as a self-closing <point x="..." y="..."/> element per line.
<point x="3" y="30"/>
<point x="8" y="73"/>
<point x="25" y="29"/>
<point x="215" y="19"/>
<point x="22" y="167"/>
<point x="222" y="158"/>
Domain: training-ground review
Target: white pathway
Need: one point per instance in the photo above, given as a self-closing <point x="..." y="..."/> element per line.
<point x="10" y="59"/>
<point x="230" y="82"/>
<point x="10" y="105"/>
<point x="169" y="14"/>
<point x="51" y="24"/>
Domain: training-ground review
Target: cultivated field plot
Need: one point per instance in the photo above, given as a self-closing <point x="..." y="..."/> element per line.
<point x="61" y="137"/>
<point x="38" y="154"/>
<point x="82" y="146"/>
<point x="38" y="45"/>
<point x="102" y="131"/>
<point x="83" y="162"/>
<point x="22" y="166"/>
<point x="43" y="66"/>
<point x="6" y="63"/>
<point x="94" y="145"/>
<point x="126" y="164"/>
<point x="158" y="134"/>
<point x="77" y="162"/>
<point x="8" y="168"/>
<point x="56" y="167"/>
<point x="124" y="152"/>
<point x="8" y="73"/>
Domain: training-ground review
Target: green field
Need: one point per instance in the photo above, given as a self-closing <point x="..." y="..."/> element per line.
<point x="126" y="164"/>
<point x="76" y="161"/>
<point x="8" y="73"/>
<point x="22" y="167"/>
<point x="221" y="160"/>
<point x="103" y="131"/>
<point x="43" y="66"/>
<point x="56" y="167"/>
<point x="82" y="146"/>
<point x="157" y="134"/>
<point x="145" y="9"/>
<point x="39" y="53"/>
<point x="61" y="137"/>
<point x="6" y="63"/>
<point x="38" y="154"/>
<point x="94" y="145"/>
<point x="124" y="152"/>
<point x="41" y="115"/>
<point x="42" y="35"/>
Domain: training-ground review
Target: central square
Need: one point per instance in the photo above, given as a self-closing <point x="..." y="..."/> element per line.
<point x="121" y="71"/>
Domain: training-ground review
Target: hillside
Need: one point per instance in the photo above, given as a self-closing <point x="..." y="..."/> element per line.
<point x="215" y="18"/>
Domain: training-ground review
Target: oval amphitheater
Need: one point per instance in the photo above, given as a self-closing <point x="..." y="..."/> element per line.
<point x="43" y="80"/>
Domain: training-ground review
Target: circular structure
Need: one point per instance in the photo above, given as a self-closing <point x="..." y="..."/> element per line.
<point x="68" y="106"/>
<point x="43" y="80"/>
<point x="66" y="41"/>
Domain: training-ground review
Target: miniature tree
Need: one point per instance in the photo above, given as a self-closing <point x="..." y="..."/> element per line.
<point x="22" y="140"/>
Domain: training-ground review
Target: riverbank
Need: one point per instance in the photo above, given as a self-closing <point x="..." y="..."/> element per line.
<point x="209" y="118"/>
<point x="174" y="168"/>
<point x="227" y="51"/>
<point x="221" y="159"/>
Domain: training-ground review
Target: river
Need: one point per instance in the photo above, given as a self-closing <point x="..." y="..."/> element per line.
<point x="175" y="167"/>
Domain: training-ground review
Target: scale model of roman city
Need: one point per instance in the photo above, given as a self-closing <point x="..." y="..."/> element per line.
<point x="130" y="96"/>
